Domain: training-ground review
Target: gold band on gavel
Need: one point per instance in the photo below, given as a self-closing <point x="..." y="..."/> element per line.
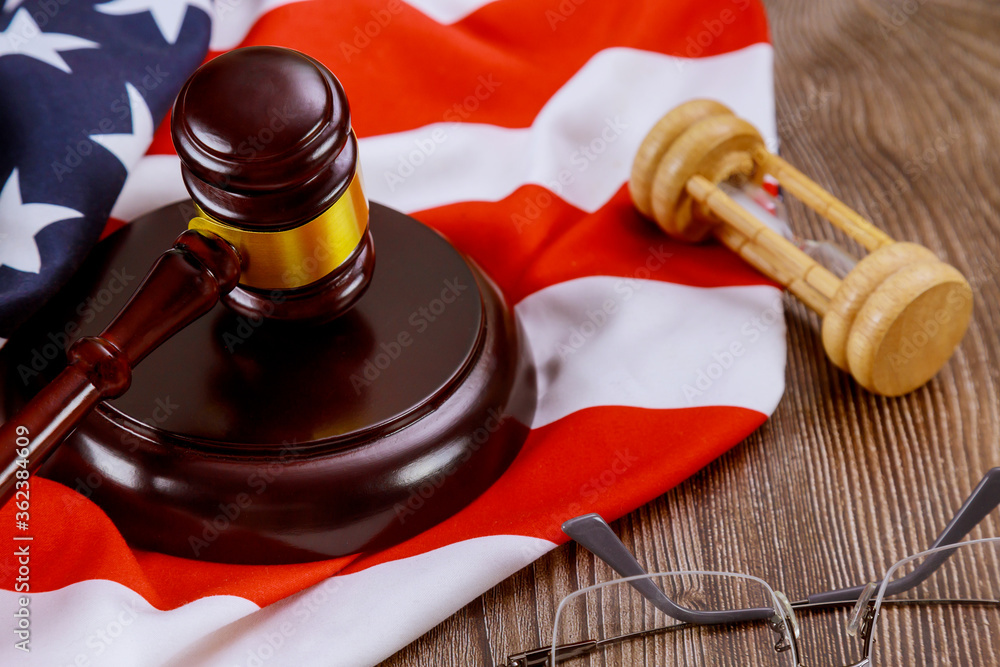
<point x="302" y="255"/>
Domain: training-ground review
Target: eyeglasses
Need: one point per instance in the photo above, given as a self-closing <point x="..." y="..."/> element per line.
<point x="939" y="607"/>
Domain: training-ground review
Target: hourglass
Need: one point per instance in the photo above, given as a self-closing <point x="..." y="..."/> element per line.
<point x="891" y="320"/>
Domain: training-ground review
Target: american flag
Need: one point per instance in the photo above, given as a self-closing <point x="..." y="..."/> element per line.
<point x="508" y="125"/>
<point x="83" y="86"/>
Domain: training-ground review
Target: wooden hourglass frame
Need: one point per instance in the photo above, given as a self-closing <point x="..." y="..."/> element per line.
<point x="892" y="322"/>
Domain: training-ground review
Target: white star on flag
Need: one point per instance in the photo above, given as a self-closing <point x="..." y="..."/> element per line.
<point x="129" y="147"/>
<point x="24" y="37"/>
<point x="169" y="15"/>
<point x="19" y="222"/>
<point x="11" y="5"/>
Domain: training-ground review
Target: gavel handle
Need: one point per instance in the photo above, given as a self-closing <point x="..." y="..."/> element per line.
<point x="184" y="284"/>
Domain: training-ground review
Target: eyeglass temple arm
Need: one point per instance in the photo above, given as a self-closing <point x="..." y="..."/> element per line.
<point x="593" y="532"/>
<point x="983" y="500"/>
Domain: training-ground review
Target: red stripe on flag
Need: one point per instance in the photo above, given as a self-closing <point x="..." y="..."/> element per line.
<point x="500" y="65"/>
<point x="556" y="242"/>
<point x="425" y="68"/>
<point x="162" y="143"/>
<point x="609" y="460"/>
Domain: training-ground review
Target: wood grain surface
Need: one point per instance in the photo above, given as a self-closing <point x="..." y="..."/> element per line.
<point x="894" y="106"/>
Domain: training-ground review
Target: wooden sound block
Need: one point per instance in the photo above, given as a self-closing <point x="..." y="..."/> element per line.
<point x="248" y="440"/>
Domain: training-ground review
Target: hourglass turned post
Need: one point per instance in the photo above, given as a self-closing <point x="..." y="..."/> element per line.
<point x="892" y="322"/>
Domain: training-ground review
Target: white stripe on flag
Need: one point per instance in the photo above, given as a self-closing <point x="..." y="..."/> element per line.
<point x="354" y="620"/>
<point x="100" y="622"/>
<point x="448" y="11"/>
<point x="154" y="181"/>
<point x="233" y="19"/>
<point x="602" y="341"/>
<point x="580" y="145"/>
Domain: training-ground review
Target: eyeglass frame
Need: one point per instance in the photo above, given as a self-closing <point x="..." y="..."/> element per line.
<point x="593" y="532"/>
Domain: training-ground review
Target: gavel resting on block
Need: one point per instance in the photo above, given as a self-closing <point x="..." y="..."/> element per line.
<point x="326" y="406"/>
<point x="896" y="316"/>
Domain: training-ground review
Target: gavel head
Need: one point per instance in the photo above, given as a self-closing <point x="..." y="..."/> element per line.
<point x="269" y="158"/>
<point x="893" y="321"/>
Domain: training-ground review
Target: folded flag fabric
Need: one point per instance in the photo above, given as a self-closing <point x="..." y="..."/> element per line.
<point x="83" y="86"/>
<point x="510" y="126"/>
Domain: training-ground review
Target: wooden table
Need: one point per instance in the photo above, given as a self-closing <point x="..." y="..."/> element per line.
<point x="894" y="106"/>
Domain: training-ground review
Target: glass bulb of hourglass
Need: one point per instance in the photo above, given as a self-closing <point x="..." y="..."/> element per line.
<point x="771" y="211"/>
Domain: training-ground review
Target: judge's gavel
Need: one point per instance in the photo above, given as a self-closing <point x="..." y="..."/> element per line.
<point x="281" y="232"/>
<point x="897" y="315"/>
